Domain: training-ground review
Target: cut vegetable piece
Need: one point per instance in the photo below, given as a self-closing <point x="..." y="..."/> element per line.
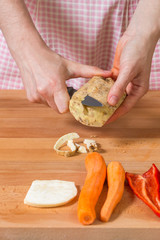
<point x="89" y="141"/>
<point x="115" y="179"/>
<point x="50" y="193"/>
<point x="81" y="149"/>
<point x="98" y="88"/>
<point x="71" y="145"/>
<point x="147" y="187"/>
<point x="91" y="145"/>
<point x="96" y="174"/>
<point x="61" y="141"/>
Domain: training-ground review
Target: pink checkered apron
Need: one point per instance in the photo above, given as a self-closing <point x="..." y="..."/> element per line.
<point x="86" y="31"/>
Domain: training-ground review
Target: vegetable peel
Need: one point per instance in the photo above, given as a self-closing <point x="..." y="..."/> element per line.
<point x="81" y="149"/>
<point x="62" y="140"/>
<point x="91" y="145"/>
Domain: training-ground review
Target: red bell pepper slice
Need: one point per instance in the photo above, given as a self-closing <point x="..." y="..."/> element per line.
<point x="147" y="187"/>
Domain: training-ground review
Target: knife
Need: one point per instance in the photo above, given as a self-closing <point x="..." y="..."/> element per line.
<point x="88" y="100"/>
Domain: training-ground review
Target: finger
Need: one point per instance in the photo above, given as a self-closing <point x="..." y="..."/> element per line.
<point x="36" y="98"/>
<point x="61" y="99"/>
<point x="82" y="70"/>
<point x="61" y="96"/>
<point x="118" y="113"/>
<point x="128" y="103"/>
<point x="47" y="95"/>
<point x="32" y="94"/>
<point x="126" y="75"/>
<point x="54" y="91"/>
<point x="115" y="72"/>
<point x="50" y="101"/>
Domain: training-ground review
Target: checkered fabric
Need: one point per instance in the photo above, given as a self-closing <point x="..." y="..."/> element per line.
<point x="86" y="31"/>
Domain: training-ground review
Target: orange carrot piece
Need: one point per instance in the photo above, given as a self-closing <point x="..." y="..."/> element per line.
<point x="116" y="63"/>
<point x="96" y="174"/>
<point x="115" y="178"/>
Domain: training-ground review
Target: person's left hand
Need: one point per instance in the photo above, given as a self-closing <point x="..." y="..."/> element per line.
<point x="131" y="69"/>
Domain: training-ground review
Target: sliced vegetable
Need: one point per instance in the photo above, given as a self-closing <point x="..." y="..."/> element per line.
<point x="61" y="141"/>
<point x="50" y="193"/>
<point x="91" y="145"/>
<point x="147" y="187"/>
<point x="96" y="174"/>
<point x="80" y="148"/>
<point x="115" y="178"/>
<point x="71" y="145"/>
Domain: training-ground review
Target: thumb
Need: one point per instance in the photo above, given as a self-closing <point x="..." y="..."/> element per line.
<point x="61" y="97"/>
<point x="86" y="71"/>
<point x="125" y="76"/>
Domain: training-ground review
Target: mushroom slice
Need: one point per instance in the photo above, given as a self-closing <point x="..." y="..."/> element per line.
<point x="61" y="141"/>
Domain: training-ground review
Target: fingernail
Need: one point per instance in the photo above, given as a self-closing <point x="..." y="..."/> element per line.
<point x="113" y="100"/>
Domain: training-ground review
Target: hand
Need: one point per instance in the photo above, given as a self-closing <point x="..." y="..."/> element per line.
<point x="131" y="69"/>
<point x="43" y="71"/>
<point x="44" y="74"/>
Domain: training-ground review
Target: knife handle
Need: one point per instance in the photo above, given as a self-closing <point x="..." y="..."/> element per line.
<point x="71" y="91"/>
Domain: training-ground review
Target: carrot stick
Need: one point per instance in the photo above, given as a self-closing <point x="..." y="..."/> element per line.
<point x="115" y="178"/>
<point x="96" y="174"/>
<point x="116" y="62"/>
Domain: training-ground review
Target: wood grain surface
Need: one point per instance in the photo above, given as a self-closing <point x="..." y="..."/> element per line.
<point x="27" y="134"/>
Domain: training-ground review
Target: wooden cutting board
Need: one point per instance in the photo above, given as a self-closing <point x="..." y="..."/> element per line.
<point x="27" y="134"/>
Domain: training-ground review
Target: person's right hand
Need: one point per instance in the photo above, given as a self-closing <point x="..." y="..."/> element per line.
<point x="44" y="74"/>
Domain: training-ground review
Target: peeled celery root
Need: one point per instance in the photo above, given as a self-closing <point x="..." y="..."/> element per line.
<point x="98" y="88"/>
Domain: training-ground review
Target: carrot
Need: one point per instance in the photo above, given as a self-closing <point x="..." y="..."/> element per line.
<point x="96" y="174"/>
<point x="115" y="178"/>
<point x="116" y="62"/>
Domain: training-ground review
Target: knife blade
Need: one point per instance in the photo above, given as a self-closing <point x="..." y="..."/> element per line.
<point x="88" y="100"/>
<point x="91" y="102"/>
